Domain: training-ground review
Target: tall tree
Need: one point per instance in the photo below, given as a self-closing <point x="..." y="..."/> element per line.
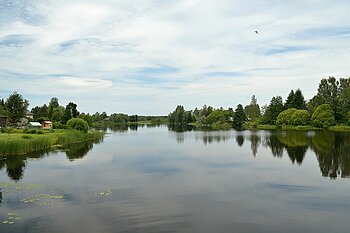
<point x="298" y="100"/>
<point x="239" y="117"/>
<point x="276" y="107"/>
<point x="253" y="109"/>
<point x="290" y="100"/>
<point x="16" y="107"/>
<point x="70" y="112"/>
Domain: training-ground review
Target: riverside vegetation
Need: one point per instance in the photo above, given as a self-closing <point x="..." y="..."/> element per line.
<point x="16" y="142"/>
<point x="329" y="108"/>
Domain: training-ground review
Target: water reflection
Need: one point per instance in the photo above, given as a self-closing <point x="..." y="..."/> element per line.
<point x="332" y="149"/>
<point x="15" y="165"/>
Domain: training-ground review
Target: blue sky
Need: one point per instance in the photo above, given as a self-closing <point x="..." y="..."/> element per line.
<point x="145" y="57"/>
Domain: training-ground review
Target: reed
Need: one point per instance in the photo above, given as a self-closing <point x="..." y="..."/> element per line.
<point x="20" y="143"/>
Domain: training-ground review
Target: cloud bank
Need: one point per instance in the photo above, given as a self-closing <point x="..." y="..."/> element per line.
<point x="147" y="56"/>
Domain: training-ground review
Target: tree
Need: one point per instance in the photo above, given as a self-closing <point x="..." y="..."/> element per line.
<point x="239" y="117"/>
<point x="16" y="107"/>
<point x="290" y="100"/>
<point x="78" y="124"/>
<point x="323" y="116"/>
<point x="284" y="118"/>
<point x="328" y="93"/>
<point x="41" y="112"/>
<point x="298" y="100"/>
<point x="300" y="117"/>
<point x="218" y="116"/>
<point x="70" y="112"/>
<point x="87" y="118"/>
<point x="272" y="111"/>
<point x="253" y="110"/>
<point x="295" y="100"/>
<point x="53" y="104"/>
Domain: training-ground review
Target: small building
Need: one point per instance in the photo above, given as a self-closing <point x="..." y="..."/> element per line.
<point x="29" y="115"/>
<point x="3" y="120"/>
<point x="36" y="125"/>
<point x="47" y="125"/>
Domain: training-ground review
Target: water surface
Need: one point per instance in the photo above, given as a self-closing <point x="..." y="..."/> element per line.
<point x="155" y="179"/>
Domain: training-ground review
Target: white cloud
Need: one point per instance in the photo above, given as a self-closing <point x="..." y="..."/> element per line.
<point x="99" y="47"/>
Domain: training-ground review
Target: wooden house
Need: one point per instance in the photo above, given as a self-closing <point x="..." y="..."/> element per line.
<point x="47" y="125"/>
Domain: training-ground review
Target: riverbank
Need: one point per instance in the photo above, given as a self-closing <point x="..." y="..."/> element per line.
<point x="339" y="128"/>
<point x="23" y="142"/>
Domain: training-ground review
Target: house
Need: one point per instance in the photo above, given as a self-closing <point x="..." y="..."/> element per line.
<point x="34" y="125"/>
<point x="47" y="125"/>
<point x="29" y="115"/>
<point x="3" y="120"/>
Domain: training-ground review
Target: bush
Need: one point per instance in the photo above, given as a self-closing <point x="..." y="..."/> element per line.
<point x="59" y="125"/>
<point x="32" y="131"/>
<point x="78" y="124"/>
<point x="26" y="137"/>
<point x="323" y="116"/>
<point x="300" y="117"/>
<point x="349" y="118"/>
<point x="39" y="132"/>
<point x="284" y="118"/>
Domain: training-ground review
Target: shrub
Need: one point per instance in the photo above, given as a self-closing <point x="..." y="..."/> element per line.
<point x="59" y="125"/>
<point x="284" y="117"/>
<point x="39" y="132"/>
<point x="26" y="137"/>
<point x="349" y="118"/>
<point x="323" y="116"/>
<point x="300" y="117"/>
<point x="78" y="124"/>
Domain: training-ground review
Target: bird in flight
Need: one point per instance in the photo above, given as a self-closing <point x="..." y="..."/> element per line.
<point x="256" y="32"/>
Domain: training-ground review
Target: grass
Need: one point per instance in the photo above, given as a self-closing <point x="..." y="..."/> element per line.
<point x="340" y="128"/>
<point x="23" y="143"/>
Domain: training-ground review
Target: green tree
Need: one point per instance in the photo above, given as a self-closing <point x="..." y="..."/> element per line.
<point x="70" y="112"/>
<point x="284" y="118"/>
<point x="323" y="116"/>
<point x="253" y="109"/>
<point x="300" y="117"/>
<point x="239" y="117"/>
<point x="87" y="118"/>
<point x="276" y="106"/>
<point x="180" y="116"/>
<point x="16" y="107"/>
<point x="290" y="100"/>
<point x="78" y="124"/>
<point x="298" y="100"/>
<point x="327" y="93"/>
<point x="218" y="116"/>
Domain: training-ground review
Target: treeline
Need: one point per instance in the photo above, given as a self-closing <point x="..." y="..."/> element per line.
<point x="15" y="108"/>
<point x="330" y="106"/>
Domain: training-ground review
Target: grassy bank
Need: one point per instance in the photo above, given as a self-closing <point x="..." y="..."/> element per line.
<point x="344" y="128"/>
<point x="19" y="142"/>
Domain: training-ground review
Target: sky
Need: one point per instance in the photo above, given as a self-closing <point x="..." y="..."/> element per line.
<point x="147" y="56"/>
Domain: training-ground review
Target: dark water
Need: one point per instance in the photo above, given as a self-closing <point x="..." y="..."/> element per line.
<point x="158" y="180"/>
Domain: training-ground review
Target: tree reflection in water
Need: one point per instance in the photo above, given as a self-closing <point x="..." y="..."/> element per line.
<point x="332" y="149"/>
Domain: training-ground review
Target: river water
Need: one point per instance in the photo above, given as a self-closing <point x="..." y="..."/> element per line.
<point x="156" y="179"/>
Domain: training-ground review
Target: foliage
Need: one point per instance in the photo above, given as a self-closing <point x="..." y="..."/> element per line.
<point x="218" y="116"/>
<point x="284" y="118"/>
<point x="239" y="117"/>
<point x="252" y="110"/>
<point x="180" y="116"/>
<point x="19" y="143"/>
<point x="87" y="118"/>
<point x="323" y="116"/>
<point x="70" y="112"/>
<point x="78" y="124"/>
<point x="273" y="110"/>
<point x="300" y="117"/>
<point x="15" y="107"/>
